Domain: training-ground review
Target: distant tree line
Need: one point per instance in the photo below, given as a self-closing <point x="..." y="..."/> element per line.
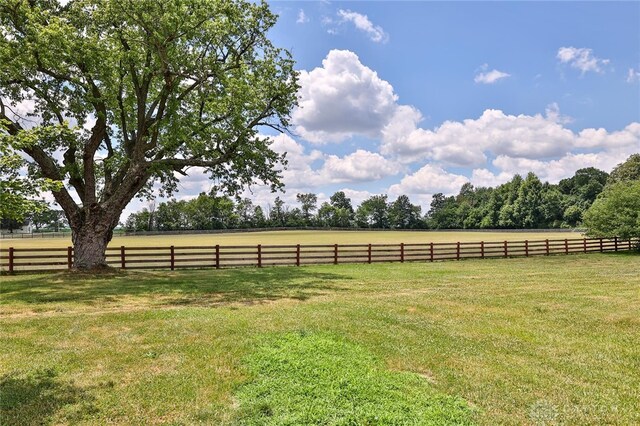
<point x="46" y="220"/>
<point x="521" y="203"/>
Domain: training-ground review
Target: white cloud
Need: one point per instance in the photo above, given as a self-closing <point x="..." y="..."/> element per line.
<point x="470" y="142"/>
<point x="465" y="143"/>
<point x="299" y="172"/>
<point x="489" y="77"/>
<point x="484" y="177"/>
<point x="629" y="138"/>
<point x="430" y="179"/>
<point x="402" y="139"/>
<point x="302" y="17"/>
<point x="555" y="170"/>
<point x="362" y="22"/>
<point x="552" y="112"/>
<point x="342" y="98"/>
<point x="633" y="75"/>
<point x="404" y="121"/>
<point x="360" y="166"/>
<point x="582" y="59"/>
<point x="302" y="173"/>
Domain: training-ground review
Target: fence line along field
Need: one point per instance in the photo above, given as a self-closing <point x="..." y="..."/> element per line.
<point x="240" y="248"/>
<point x="299" y="237"/>
<point x="223" y="256"/>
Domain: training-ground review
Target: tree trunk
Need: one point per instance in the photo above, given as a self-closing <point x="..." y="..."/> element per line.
<point x="91" y="238"/>
<point x="89" y="249"/>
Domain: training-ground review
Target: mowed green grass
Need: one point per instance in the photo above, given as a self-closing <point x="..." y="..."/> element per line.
<point x="298" y="237"/>
<point x="541" y="340"/>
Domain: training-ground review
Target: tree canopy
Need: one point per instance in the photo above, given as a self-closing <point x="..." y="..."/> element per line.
<point x="627" y="171"/>
<point x="123" y="95"/>
<point x="616" y="210"/>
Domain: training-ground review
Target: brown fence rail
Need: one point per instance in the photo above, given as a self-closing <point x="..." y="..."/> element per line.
<point x="179" y="257"/>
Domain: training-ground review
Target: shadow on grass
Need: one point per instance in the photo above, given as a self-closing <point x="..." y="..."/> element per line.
<point x="623" y="253"/>
<point x="36" y="398"/>
<point x="191" y="287"/>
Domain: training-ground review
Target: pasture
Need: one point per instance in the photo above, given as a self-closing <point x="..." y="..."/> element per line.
<point x="298" y="237"/>
<point x="296" y="248"/>
<point x="546" y="340"/>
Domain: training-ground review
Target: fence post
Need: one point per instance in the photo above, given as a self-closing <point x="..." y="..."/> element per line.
<point x="546" y="244"/>
<point x="69" y="257"/>
<point x="123" y="264"/>
<point x="584" y="244"/>
<point x="369" y="254"/>
<point x="566" y="246"/>
<point x="615" y="242"/>
<point x="298" y="255"/>
<point x="526" y="248"/>
<point x="506" y="249"/>
<point x="173" y="260"/>
<point x="259" y="255"/>
<point x="335" y="254"/>
<point x="458" y="250"/>
<point x="482" y="249"/>
<point x="601" y="248"/>
<point x="431" y="251"/>
<point x="217" y="256"/>
<point x="401" y="252"/>
<point x="11" y="255"/>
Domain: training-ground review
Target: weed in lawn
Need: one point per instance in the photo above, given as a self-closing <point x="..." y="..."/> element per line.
<point x="320" y="378"/>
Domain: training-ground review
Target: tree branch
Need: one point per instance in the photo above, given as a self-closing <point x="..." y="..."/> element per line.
<point x="98" y="133"/>
<point x="75" y="178"/>
<point x="181" y="163"/>
<point x="47" y="166"/>
<point x="123" y="114"/>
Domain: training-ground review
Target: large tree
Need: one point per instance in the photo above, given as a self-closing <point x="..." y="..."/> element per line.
<point x="404" y="215"/>
<point x="616" y="212"/>
<point x="308" y="204"/>
<point x="373" y="212"/>
<point x="125" y="94"/>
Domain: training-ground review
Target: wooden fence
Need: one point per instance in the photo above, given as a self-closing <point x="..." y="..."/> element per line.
<point x="177" y="257"/>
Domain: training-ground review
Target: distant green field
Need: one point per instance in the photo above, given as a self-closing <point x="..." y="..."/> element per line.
<point x="529" y="341"/>
<point x="299" y="237"/>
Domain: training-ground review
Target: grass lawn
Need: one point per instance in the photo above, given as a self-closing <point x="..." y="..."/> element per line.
<point x="299" y="237"/>
<point x="545" y="340"/>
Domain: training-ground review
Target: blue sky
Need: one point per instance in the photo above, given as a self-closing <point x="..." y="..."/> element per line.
<point x="434" y="49"/>
<point x="420" y="97"/>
